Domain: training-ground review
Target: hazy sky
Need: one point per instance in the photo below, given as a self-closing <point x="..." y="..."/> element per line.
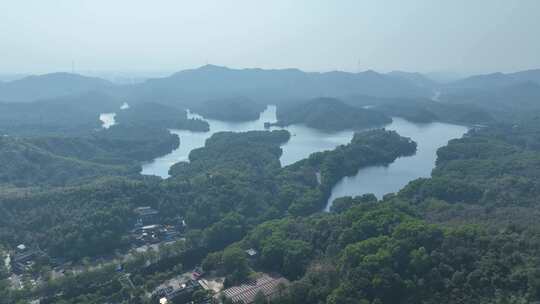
<point x="415" y="35"/>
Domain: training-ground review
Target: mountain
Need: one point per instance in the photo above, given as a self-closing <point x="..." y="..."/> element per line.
<point x="416" y="78"/>
<point x="189" y="87"/>
<point x="330" y="114"/>
<point x="159" y="115"/>
<point x="230" y="109"/>
<point x="61" y="115"/>
<point x="48" y="86"/>
<point x="497" y="80"/>
<point x="23" y="163"/>
<point x="528" y="75"/>
<point x="514" y="102"/>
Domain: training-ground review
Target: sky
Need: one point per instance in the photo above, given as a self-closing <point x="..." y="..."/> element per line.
<point x="464" y="36"/>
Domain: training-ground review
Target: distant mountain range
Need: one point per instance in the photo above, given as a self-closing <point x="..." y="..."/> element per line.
<point x="271" y="86"/>
<point x="417" y="79"/>
<point x="497" y="80"/>
<point x="50" y="86"/>
<point x="192" y="87"/>
<point x="215" y="82"/>
<point x="330" y="114"/>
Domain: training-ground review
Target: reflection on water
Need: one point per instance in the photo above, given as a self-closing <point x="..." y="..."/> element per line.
<point x="107" y="120"/>
<point x="381" y="180"/>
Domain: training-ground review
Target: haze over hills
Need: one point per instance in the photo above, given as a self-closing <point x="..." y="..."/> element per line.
<point x="494" y="80"/>
<point x="271" y="86"/>
<point x="50" y="86"/>
<point x="64" y="100"/>
<point x="416" y="78"/>
<point x="330" y="114"/>
<point x="520" y="99"/>
<point x="191" y="86"/>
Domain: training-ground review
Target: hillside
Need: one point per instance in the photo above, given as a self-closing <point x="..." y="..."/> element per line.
<point x="189" y="87"/>
<point x="416" y="78"/>
<point x="497" y="80"/>
<point x="49" y="86"/>
<point x="24" y="164"/>
<point x="330" y="114"/>
<point x="159" y="115"/>
<point x="59" y="160"/>
<point x="509" y="103"/>
<point x="230" y="109"/>
<point x="73" y="114"/>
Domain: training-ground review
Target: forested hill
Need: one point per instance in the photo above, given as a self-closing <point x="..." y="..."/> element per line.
<point x="497" y="80"/>
<point x="24" y="164"/>
<point x="426" y="110"/>
<point x="190" y="87"/>
<point x="230" y="109"/>
<point x="469" y="234"/>
<point x="159" y="115"/>
<point x="69" y="115"/>
<point x="60" y="161"/>
<point x="50" y="86"/>
<point x="509" y="103"/>
<point x="329" y="114"/>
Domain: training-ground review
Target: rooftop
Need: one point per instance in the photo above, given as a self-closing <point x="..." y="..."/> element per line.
<point x="246" y="292"/>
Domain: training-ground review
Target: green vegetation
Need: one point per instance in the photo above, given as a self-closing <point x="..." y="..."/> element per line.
<point x="425" y="110"/>
<point x="59" y="160"/>
<point x="223" y="191"/>
<point x="73" y="115"/>
<point x="330" y="114"/>
<point x="159" y="115"/>
<point x="513" y="103"/>
<point x="383" y="253"/>
<point x="50" y="86"/>
<point x="300" y="185"/>
<point x="468" y="234"/>
<point x="230" y="109"/>
<point x="74" y="222"/>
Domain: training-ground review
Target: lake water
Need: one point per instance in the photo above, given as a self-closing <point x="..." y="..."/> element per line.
<point x="381" y="180"/>
<point x="303" y="142"/>
<point x="107" y="120"/>
<point x="378" y="180"/>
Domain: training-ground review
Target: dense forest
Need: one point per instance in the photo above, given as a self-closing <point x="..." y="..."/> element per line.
<point x="60" y="160"/>
<point x="159" y="115"/>
<point x="230" y="109"/>
<point x="330" y="114"/>
<point x="423" y="110"/>
<point x="69" y="115"/>
<point x="467" y="234"/>
<point x="222" y="192"/>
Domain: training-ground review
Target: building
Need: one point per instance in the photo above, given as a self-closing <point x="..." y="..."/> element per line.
<point x="269" y="285"/>
<point x="177" y="294"/>
<point x="146" y="215"/>
<point x="251" y="253"/>
<point x="24" y="258"/>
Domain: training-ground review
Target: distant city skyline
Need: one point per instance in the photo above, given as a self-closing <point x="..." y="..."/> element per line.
<point x="467" y="37"/>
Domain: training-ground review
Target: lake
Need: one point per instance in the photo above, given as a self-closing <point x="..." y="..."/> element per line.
<point x="303" y="142"/>
<point x="378" y="180"/>
<point x="381" y="180"/>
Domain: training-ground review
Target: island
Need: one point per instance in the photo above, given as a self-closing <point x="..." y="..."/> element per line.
<point x="329" y="114"/>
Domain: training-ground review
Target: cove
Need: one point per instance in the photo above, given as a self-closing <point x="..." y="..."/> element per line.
<point x="303" y="142"/>
<point x="381" y="180"/>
